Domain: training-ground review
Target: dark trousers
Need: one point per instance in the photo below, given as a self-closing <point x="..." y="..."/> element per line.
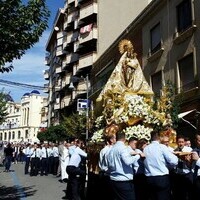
<point x="140" y="184"/>
<point x="27" y="163"/>
<point x="45" y="166"/>
<point x="55" y="165"/>
<point x="105" y="186"/>
<point x="73" y="185"/>
<point x="94" y="186"/>
<point x="123" y="190"/>
<point x="8" y="161"/>
<point x="182" y="188"/>
<point x="159" y="187"/>
<point x="196" y="195"/>
<point x="34" y="166"/>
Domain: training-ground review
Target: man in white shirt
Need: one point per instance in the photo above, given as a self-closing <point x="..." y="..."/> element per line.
<point x="104" y="174"/>
<point x="35" y="159"/>
<point x="74" y="171"/>
<point x="45" y="154"/>
<point x="157" y="158"/>
<point x="120" y="165"/>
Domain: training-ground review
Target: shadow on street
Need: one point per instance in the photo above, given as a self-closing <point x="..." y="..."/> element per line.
<point x="15" y="192"/>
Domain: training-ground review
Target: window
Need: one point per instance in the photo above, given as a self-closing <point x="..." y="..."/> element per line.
<point x="1" y="136"/>
<point x="186" y="72"/>
<point x="155" y="38"/>
<point x="156" y="81"/>
<point x="184" y="15"/>
<point x="26" y="133"/>
<point x="19" y="134"/>
<point x="13" y="135"/>
<point x="5" y="136"/>
<point x="9" y="136"/>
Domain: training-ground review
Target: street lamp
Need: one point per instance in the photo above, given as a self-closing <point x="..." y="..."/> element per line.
<point x="71" y="86"/>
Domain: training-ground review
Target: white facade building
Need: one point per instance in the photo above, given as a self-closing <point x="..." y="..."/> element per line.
<point x="24" y="119"/>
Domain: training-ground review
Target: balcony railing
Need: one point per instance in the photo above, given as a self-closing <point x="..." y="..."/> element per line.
<point x="88" y="36"/>
<point x="46" y="74"/>
<point x="58" y="69"/>
<point x="73" y="36"/>
<point x="88" y="10"/>
<point x="65" y="101"/>
<point x="86" y="60"/>
<point x="72" y="16"/>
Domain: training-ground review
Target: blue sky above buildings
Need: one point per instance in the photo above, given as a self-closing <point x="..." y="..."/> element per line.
<point x="29" y="69"/>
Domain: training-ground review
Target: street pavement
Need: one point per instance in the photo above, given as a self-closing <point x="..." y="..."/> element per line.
<point x="15" y="185"/>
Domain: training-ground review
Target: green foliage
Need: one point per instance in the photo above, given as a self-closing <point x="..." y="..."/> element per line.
<point x="75" y="124"/>
<point x="3" y="108"/>
<point x="53" y="133"/>
<point x="21" y="25"/>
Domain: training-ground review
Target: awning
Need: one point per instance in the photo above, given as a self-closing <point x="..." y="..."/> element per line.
<point x="181" y="115"/>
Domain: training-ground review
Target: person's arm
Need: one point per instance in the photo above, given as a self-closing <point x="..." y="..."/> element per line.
<point x="127" y="158"/>
<point x="169" y="156"/>
<point x="81" y="152"/>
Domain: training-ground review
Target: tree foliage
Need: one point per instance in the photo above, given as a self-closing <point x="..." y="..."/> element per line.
<point x="53" y="133"/>
<point x="21" y="25"/>
<point x="3" y="107"/>
<point x="75" y="125"/>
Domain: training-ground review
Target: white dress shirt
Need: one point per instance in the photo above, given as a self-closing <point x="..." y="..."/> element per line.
<point x="76" y="157"/>
<point x="157" y="157"/>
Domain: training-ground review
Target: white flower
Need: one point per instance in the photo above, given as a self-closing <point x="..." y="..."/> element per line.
<point x="97" y="136"/>
<point x="138" y="131"/>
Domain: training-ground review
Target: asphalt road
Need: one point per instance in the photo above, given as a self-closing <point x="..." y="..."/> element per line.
<point x="15" y="185"/>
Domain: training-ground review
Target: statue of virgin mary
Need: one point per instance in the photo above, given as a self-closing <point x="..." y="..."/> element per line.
<point x="127" y="76"/>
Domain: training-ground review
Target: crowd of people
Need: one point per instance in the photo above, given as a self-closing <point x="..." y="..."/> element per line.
<point x="154" y="171"/>
<point x="129" y="170"/>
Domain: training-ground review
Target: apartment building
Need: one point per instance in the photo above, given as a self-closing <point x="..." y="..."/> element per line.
<point x="166" y="37"/>
<point x="82" y="31"/>
<point x="24" y="119"/>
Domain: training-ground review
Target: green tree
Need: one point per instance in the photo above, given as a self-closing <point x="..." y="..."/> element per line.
<point x="53" y="134"/>
<point x="21" y="25"/>
<point x="3" y="107"/>
<point x="75" y="125"/>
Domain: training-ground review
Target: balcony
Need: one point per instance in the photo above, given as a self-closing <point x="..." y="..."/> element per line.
<point x="56" y="106"/>
<point x="58" y="69"/>
<point x="72" y="37"/>
<point x="47" y="60"/>
<point x="65" y="25"/>
<point x="65" y="101"/>
<point x="72" y="17"/>
<point x="70" y="1"/>
<point x="88" y="10"/>
<point x="73" y="57"/>
<point x="60" y="51"/>
<point x="46" y="74"/>
<point x="61" y="34"/>
<point x="87" y="36"/>
<point x="86" y="60"/>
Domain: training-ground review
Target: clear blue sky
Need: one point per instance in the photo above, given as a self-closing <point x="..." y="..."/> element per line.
<point x="29" y="69"/>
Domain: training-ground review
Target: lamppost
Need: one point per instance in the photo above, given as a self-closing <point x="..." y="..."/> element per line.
<point x="71" y="86"/>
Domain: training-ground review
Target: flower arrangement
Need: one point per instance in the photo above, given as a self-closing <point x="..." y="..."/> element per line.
<point x="98" y="136"/>
<point x="139" y="131"/>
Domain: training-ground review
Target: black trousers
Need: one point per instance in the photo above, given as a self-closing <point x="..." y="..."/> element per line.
<point x="182" y="188"/>
<point x="74" y="182"/>
<point x="45" y="166"/>
<point x="27" y="163"/>
<point x="196" y="188"/>
<point x="55" y="165"/>
<point x="34" y="166"/>
<point x="123" y="190"/>
<point x="159" y="187"/>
